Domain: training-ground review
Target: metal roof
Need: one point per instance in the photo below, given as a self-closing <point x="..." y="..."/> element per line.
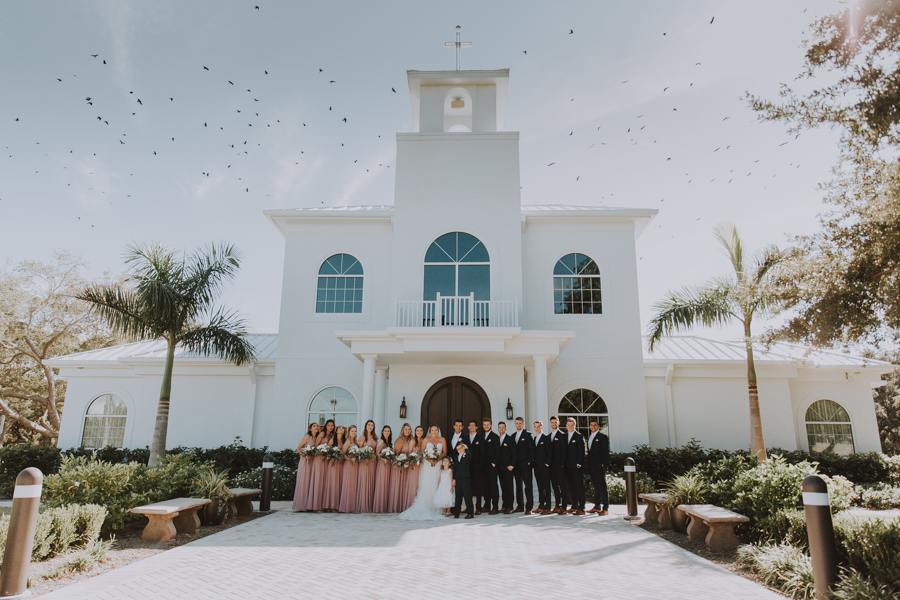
<point x="266" y="345"/>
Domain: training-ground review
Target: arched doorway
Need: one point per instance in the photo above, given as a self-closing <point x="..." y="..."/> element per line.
<point x="454" y="398"/>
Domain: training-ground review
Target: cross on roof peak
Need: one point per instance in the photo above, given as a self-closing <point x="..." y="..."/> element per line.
<point x="457" y="44"/>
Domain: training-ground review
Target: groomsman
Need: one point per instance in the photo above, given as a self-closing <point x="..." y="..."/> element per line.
<point x="574" y="471"/>
<point x="505" y="467"/>
<point x="475" y="443"/>
<point x="462" y="479"/>
<point x="543" y="455"/>
<point x="524" y="466"/>
<point x="489" y="459"/>
<point x="456" y="437"/>
<point x="558" y="466"/>
<point x="598" y="458"/>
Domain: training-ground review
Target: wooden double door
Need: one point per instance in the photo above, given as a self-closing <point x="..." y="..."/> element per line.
<point x="454" y="398"/>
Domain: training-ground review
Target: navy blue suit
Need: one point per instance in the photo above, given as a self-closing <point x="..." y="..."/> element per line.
<point x="574" y="468"/>
<point x="524" y="469"/>
<point x="543" y="456"/>
<point x="598" y="459"/>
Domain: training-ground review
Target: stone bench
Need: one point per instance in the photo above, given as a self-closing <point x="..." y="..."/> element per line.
<point x="714" y="525"/>
<point x="170" y="517"/>
<point x="241" y="501"/>
<point x="657" y="511"/>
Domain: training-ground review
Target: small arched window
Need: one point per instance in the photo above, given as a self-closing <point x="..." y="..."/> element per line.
<point x="333" y="403"/>
<point x="576" y="286"/>
<point x="340" y="288"/>
<point x="104" y="422"/>
<point x="828" y="428"/>
<point x="584" y="405"/>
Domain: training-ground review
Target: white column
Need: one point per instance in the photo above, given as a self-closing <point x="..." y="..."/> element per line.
<point x="540" y="389"/>
<point x="367" y="409"/>
<point x="531" y="410"/>
<point x="670" y="406"/>
<point x="380" y="395"/>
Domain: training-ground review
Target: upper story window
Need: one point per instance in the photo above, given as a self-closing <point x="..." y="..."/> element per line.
<point x="340" y="288"/>
<point x="576" y="286"/>
<point x="104" y="422"/>
<point x="828" y="428"/>
<point x="457" y="264"/>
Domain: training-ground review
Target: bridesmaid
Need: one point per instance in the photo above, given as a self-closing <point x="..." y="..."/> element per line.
<point x="333" y="472"/>
<point x="383" y="472"/>
<point x="304" y="469"/>
<point x="398" y="476"/>
<point x="350" y="473"/>
<point x="410" y="485"/>
<point x="317" y="481"/>
<point x="365" y="491"/>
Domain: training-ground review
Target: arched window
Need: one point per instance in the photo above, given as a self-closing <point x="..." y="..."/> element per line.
<point x="457" y="264"/>
<point x="576" y="286"/>
<point x="583" y="404"/>
<point x="828" y="428"/>
<point x="333" y="403"/>
<point x="104" y="422"/>
<point x="340" y="287"/>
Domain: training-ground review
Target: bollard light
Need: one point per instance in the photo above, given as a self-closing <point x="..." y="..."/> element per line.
<point x="20" y="540"/>
<point x="265" y="501"/>
<point x="822" y="547"/>
<point x="631" y="488"/>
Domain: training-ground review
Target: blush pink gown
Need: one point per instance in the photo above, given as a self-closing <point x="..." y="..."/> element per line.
<point x="333" y="475"/>
<point x="365" y="489"/>
<point x="383" y="474"/>
<point x="315" y="499"/>
<point x="398" y="476"/>
<point x="350" y="475"/>
<point x="301" y="489"/>
<point x="410" y="484"/>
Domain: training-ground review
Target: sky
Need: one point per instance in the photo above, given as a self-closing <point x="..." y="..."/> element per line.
<point x="194" y="117"/>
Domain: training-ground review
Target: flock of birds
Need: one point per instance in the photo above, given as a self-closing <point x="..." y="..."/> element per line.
<point x="243" y="132"/>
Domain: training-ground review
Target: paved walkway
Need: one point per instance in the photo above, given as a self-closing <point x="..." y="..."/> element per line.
<point x="303" y="556"/>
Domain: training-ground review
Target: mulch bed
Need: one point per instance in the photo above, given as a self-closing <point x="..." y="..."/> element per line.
<point x="129" y="548"/>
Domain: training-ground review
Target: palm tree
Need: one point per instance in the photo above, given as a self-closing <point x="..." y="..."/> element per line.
<point x="172" y="298"/>
<point x="747" y="293"/>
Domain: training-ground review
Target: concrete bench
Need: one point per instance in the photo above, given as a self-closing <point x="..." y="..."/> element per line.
<point x="657" y="510"/>
<point x="714" y="525"/>
<point x="168" y="518"/>
<point x="241" y="501"/>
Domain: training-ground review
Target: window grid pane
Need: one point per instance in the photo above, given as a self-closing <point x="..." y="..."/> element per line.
<point x="577" y="295"/>
<point x="339" y="295"/>
<point x="104" y="423"/>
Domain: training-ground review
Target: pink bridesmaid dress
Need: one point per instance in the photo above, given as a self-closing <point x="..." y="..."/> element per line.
<point x="349" y="477"/>
<point x="333" y="476"/>
<point x="301" y="489"/>
<point x="383" y="474"/>
<point x="398" y="476"/>
<point x="317" y="480"/>
<point x="410" y="484"/>
<point x="365" y="489"/>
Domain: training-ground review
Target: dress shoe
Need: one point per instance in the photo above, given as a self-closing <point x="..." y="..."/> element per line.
<point x="527" y="512"/>
<point x="493" y="512"/>
<point x="602" y="513"/>
<point x="592" y="510"/>
<point x="477" y="511"/>
<point x="470" y="516"/>
<point x="455" y="516"/>
<point x="572" y="511"/>
<point x="518" y="510"/>
<point x="578" y="512"/>
<point x="507" y="511"/>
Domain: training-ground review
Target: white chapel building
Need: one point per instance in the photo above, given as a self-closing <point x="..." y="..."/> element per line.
<point x="457" y="301"/>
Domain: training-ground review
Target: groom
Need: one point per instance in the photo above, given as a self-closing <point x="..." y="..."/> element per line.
<point x="462" y="481"/>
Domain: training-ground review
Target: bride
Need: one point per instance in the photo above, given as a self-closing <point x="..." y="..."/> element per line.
<point x="423" y="509"/>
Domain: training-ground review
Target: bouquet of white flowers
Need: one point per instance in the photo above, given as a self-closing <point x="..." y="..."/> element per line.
<point x="401" y="461"/>
<point x="388" y="454"/>
<point x="413" y="459"/>
<point x="308" y="452"/>
<point x="322" y="450"/>
<point x="334" y="454"/>
<point x="431" y="455"/>
<point x="353" y="452"/>
<point x="366" y="453"/>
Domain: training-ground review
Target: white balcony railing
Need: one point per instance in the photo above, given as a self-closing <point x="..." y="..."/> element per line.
<point x="456" y="311"/>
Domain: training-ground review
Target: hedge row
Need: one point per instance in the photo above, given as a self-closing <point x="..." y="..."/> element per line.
<point x="59" y="529"/>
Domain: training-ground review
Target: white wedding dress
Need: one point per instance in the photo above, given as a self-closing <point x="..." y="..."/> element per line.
<point x="423" y="509"/>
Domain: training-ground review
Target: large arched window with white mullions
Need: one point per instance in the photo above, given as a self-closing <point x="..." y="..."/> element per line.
<point x="333" y="403"/>
<point x="576" y="286"/>
<point x="104" y="422"/>
<point x="583" y="404"/>
<point x="457" y="264"/>
<point x="340" y="287"/>
<point x="828" y="428"/>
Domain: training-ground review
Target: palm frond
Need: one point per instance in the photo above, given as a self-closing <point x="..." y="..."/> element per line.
<point x="224" y="336"/>
<point x="709" y="305"/>
<point x="120" y="308"/>
<point x="156" y="274"/>
<point x="730" y="238"/>
<point x="209" y="268"/>
<point x="765" y="261"/>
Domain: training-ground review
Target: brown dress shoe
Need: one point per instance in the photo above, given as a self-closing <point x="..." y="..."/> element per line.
<point x="572" y="511"/>
<point x="578" y="512"/>
<point x="527" y="512"/>
<point x="518" y="510"/>
<point x="493" y="512"/>
<point x="477" y="511"/>
<point x="602" y="513"/>
<point x="507" y="511"/>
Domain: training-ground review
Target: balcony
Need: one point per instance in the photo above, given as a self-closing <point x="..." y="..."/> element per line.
<point x="456" y="311"/>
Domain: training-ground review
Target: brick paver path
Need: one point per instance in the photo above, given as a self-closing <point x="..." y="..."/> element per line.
<point x="298" y="556"/>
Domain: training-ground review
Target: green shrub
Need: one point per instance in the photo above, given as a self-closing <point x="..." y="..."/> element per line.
<point x="58" y="529"/>
<point x="14" y="459"/>
<point x="284" y="480"/>
<point x="686" y="489"/>
<point x="81" y="480"/>
<point x="170" y="478"/>
<point x="88" y="522"/>
<point x="113" y="455"/>
<point x="840" y="492"/>
<point x="782" y="566"/>
<point x="856" y="586"/>
<point x="788" y="527"/>
<point x="877" y="497"/>
<point x="871" y="546"/>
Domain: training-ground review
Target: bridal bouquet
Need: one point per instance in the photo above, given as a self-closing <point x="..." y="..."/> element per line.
<point x="366" y="453"/>
<point x="308" y="452"/>
<point x="388" y="454"/>
<point x="334" y="454"/>
<point x="414" y="459"/>
<point x="353" y="453"/>
<point x="431" y="455"/>
<point x="402" y="461"/>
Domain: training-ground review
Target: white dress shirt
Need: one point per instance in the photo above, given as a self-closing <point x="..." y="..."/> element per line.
<point x="456" y="438"/>
<point x="518" y="435"/>
<point x="502" y="437"/>
<point x="591" y="439"/>
<point x="570" y="435"/>
<point x="472" y="438"/>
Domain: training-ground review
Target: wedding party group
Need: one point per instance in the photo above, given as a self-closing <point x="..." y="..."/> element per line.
<point x="426" y="478"/>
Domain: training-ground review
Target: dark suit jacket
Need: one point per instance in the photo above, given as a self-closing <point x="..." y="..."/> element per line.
<point x="461" y="466"/>
<point x="491" y="454"/>
<point x="476" y="449"/>
<point x="524" y="449"/>
<point x="507" y="455"/>
<point x="559" y="449"/>
<point x="598" y="452"/>
<point x="543" y="451"/>
<point x="574" y="450"/>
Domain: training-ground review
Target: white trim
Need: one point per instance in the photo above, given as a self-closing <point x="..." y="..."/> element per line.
<point x="630" y="469"/>
<point x="268" y="465"/>
<point x="815" y="499"/>
<point x="28" y="491"/>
